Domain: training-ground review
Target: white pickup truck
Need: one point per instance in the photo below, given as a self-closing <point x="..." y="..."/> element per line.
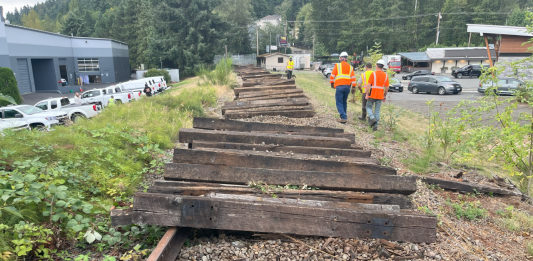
<point x="35" y="117"/>
<point x="14" y="125"/>
<point x="74" y="112"/>
<point x="102" y="96"/>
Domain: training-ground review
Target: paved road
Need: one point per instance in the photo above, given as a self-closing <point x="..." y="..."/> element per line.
<point x="33" y="98"/>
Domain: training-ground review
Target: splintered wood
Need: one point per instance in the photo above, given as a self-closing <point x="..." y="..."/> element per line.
<point x="242" y="176"/>
<point x="266" y="94"/>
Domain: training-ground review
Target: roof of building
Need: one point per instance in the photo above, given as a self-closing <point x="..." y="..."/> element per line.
<point x="271" y="17"/>
<point x="62" y="35"/>
<point x="497" y="29"/>
<point x="416" y="56"/>
<point x="271" y="54"/>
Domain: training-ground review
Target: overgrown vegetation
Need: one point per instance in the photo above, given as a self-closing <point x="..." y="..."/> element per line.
<point x="514" y="220"/>
<point x="157" y="72"/>
<point x="56" y="188"/>
<point x="468" y="210"/>
<point x="222" y="74"/>
<point x="8" y="87"/>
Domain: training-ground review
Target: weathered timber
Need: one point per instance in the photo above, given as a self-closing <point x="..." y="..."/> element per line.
<point x="323" y="195"/>
<point x="232" y="125"/>
<point x="170" y="245"/>
<point x="256" y="216"/>
<point x="271" y="82"/>
<point x="263" y="76"/>
<point x="188" y="135"/>
<point x="322" y="180"/>
<point x="350" y="136"/>
<point x="121" y="217"/>
<point x="268" y="93"/>
<point x="284" y="113"/>
<point x="359" y="153"/>
<point x="262" y="88"/>
<point x="236" y="102"/>
<point x="276" y="97"/>
<point x="466" y="186"/>
<point x="277" y="108"/>
<point x="248" y="160"/>
<point x="250" y="104"/>
<point x="290" y="155"/>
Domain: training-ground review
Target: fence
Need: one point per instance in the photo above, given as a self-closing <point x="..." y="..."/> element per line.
<point x="239" y="59"/>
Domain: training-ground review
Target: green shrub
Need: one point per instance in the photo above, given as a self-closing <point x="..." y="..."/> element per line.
<point x="468" y="210"/>
<point x="8" y="86"/>
<point x="157" y="72"/>
<point x="221" y="75"/>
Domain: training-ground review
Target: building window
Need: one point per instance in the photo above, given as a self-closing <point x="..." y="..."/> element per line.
<point x="280" y="60"/>
<point x="88" y="65"/>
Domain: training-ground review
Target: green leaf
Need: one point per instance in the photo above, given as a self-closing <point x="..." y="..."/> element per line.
<point x="46" y="213"/>
<point x="62" y="188"/>
<point x="77" y="228"/>
<point x="72" y="223"/>
<point x="79" y="217"/>
<point x="17" y="178"/>
<point x="60" y="203"/>
<point x="5" y="197"/>
<point x="13" y="211"/>
<point x="61" y="195"/>
<point x="52" y="188"/>
<point x="55" y="217"/>
<point x="36" y="185"/>
<point x="19" y="186"/>
<point x="85" y="220"/>
<point x="90" y="238"/>
<point x="30" y="177"/>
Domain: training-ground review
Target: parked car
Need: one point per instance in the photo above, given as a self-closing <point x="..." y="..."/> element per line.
<point x="102" y="96"/>
<point x="434" y="84"/>
<point x="159" y="83"/>
<point x="334" y="54"/>
<point x="505" y="86"/>
<point x="464" y="72"/>
<point x="327" y="71"/>
<point x="409" y="76"/>
<point x="15" y="125"/>
<point x="35" y="117"/>
<point x="395" y="85"/>
<point x="323" y="67"/>
<point x="118" y="94"/>
<point x="73" y="111"/>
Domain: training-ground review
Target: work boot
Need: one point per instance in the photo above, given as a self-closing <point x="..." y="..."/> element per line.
<point x="343" y="121"/>
<point x="372" y="122"/>
<point x="362" y="118"/>
<point x="375" y="128"/>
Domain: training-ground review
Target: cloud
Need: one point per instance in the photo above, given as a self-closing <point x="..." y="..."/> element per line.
<point x="10" y="5"/>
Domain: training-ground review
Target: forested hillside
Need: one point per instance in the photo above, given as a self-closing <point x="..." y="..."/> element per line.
<point x="185" y="33"/>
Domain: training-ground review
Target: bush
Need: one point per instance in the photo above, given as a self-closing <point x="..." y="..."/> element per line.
<point x="221" y="75"/>
<point x="157" y="72"/>
<point x="8" y="86"/>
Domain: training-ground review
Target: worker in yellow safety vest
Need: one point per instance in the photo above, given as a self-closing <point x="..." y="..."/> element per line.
<point x="376" y="91"/>
<point x="290" y="67"/>
<point x="342" y="79"/>
<point x="363" y="81"/>
<point x="112" y="102"/>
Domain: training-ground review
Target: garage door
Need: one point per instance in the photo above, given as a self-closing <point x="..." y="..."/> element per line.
<point x="24" y="76"/>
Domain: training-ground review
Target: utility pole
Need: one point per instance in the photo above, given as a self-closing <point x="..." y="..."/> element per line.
<point x="257" y="39"/>
<point x="469" y="37"/>
<point x="161" y="62"/>
<point x="270" y="43"/>
<point x="438" y="26"/>
<point x="226" y="56"/>
<point x="313" y="47"/>
<point x="286" y="39"/>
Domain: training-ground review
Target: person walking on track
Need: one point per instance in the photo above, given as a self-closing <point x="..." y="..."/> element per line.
<point x="290" y="67"/>
<point x="376" y="91"/>
<point x="342" y="78"/>
<point x="363" y="81"/>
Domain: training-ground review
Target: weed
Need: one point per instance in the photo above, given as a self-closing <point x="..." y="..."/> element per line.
<point x="221" y="75"/>
<point x="425" y="209"/>
<point x="385" y="161"/>
<point x="514" y="220"/>
<point x="392" y="115"/>
<point x="434" y="187"/>
<point x="468" y="210"/>
<point x="530" y="248"/>
<point x="421" y="163"/>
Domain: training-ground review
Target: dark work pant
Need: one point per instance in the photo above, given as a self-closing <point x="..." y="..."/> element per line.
<point x="289" y="74"/>
<point x="341" y="99"/>
<point x="363" y="105"/>
<point x="471" y="74"/>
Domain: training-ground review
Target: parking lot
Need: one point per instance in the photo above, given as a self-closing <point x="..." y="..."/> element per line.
<point x="33" y="98"/>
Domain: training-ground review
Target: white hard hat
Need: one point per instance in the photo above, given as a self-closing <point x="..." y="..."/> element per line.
<point x="380" y="61"/>
<point x="344" y="54"/>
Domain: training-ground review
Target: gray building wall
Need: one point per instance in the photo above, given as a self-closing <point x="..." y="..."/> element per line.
<point x="18" y="43"/>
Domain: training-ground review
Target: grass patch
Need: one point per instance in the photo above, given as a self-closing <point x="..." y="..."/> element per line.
<point x="514" y="220"/>
<point x="467" y="210"/>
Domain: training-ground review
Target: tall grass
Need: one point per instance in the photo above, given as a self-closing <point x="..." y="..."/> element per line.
<point x="220" y="75"/>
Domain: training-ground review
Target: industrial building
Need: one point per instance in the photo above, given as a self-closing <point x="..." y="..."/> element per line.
<point x="49" y="62"/>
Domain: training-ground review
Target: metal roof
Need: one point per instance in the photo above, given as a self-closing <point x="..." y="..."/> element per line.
<point x="497" y="29"/>
<point x="271" y="54"/>
<point x="416" y="57"/>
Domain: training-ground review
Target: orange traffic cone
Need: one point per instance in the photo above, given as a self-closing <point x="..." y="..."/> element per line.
<point x="81" y="89"/>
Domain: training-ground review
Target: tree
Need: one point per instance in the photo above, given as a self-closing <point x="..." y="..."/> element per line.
<point x="78" y="23"/>
<point x="32" y="20"/>
<point x="239" y="15"/>
<point x="8" y="86"/>
<point x="517" y="18"/>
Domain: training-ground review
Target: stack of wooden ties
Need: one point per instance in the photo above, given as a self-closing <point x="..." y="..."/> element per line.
<point x="208" y="185"/>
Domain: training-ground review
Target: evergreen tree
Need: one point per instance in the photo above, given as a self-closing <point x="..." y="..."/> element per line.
<point x="8" y="86"/>
<point x="31" y="20"/>
<point x="239" y="15"/>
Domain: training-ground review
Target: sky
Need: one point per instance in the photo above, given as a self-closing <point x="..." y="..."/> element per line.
<point x="10" y="5"/>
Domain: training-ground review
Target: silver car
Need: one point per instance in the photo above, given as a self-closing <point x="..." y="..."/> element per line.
<point x="505" y="86"/>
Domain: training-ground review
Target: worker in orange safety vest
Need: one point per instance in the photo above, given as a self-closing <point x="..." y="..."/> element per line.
<point x="363" y="81"/>
<point x="290" y="67"/>
<point x="342" y="79"/>
<point x="376" y="92"/>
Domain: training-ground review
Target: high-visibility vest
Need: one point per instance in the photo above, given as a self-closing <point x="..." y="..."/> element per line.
<point x="342" y="77"/>
<point x="364" y="78"/>
<point x="378" y="85"/>
<point x="111" y="102"/>
<point x="290" y="65"/>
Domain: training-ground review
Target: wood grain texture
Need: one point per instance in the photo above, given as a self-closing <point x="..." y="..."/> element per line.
<point x="262" y="88"/>
<point x="250" y="104"/>
<point x="270" y="82"/>
<point x="323" y="180"/>
<point x="189" y="135"/>
<point x="213" y="213"/>
<point x="232" y="125"/>
<point x="176" y="187"/>
<point x="359" y="153"/>
<point x="276" y="97"/>
<point x="248" y="160"/>
<point x="170" y="245"/>
<point x="121" y="217"/>
<point x="466" y="186"/>
<point x="267" y="93"/>
<point x="301" y="113"/>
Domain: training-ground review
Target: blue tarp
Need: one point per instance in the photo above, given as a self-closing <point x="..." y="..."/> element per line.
<point x="416" y="57"/>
